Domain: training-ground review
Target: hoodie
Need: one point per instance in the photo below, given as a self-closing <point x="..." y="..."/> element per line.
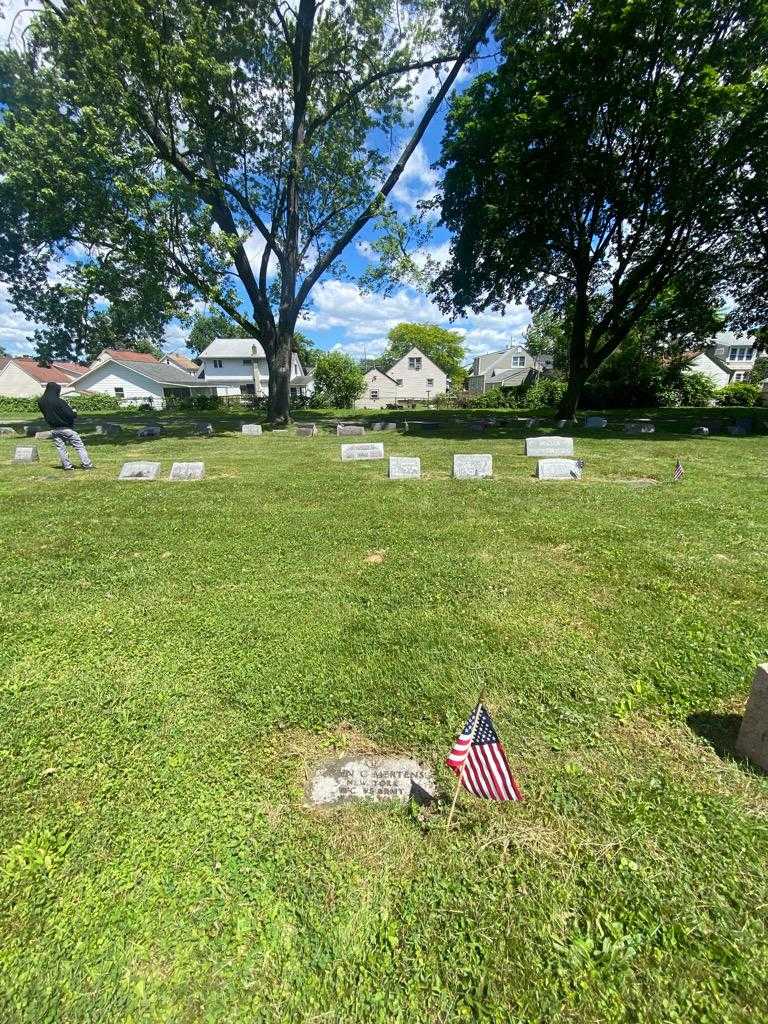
<point x="56" y="413"/>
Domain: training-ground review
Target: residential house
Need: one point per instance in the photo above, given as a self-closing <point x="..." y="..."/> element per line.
<point x="304" y="385"/>
<point x="23" y="377"/>
<point x="139" y="381"/>
<point x="123" y="355"/>
<point x="737" y="353"/>
<point x="381" y="390"/>
<point x="183" y="362"/>
<point x="508" y="368"/>
<point x="418" y="379"/>
<point x="238" y="366"/>
<point x="706" y="362"/>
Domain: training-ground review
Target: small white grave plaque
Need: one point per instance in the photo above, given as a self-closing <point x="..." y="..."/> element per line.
<point x="187" y="471"/>
<point x="306" y="430"/>
<point x="549" y="446"/>
<point x="251" y="429"/>
<point x="139" y="471"/>
<point x="364" y="777"/>
<point x="349" y="430"/>
<point x="359" y="452"/>
<point x="26" y="453"/>
<point x="402" y="467"/>
<point x="558" y="469"/>
<point x="467" y="466"/>
<point x="108" y="429"/>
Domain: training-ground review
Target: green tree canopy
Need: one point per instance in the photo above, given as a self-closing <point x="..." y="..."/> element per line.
<point x="443" y="347"/>
<point x="598" y="165"/>
<point x="223" y="151"/>
<point x="207" y="326"/>
<point x="340" y="377"/>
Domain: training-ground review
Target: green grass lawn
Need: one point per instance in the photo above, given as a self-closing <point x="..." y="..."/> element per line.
<point x="176" y="657"/>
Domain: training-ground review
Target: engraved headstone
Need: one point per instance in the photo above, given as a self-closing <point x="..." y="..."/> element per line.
<point x="349" y="430"/>
<point x="701" y="431"/>
<point x="548" y="445"/>
<point x="151" y="430"/>
<point x="43" y="435"/>
<point x="187" y="471"/>
<point x="26" y="453"/>
<point x="532" y="421"/>
<point x="752" y="741"/>
<point x="596" y="422"/>
<point x="7" y="432"/>
<point x="251" y="429"/>
<point x="108" y="429"/>
<point x="139" y="471"/>
<point x="306" y="430"/>
<point x="558" y="469"/>
<point x="641" y="426"/>
<point x="203" y="429"/>
<point x="30" y="429"/>
<point x="390" y="426"/>
<point x="377" y="425"/>
<point x="361" y="452"/>
<point x="367" y="777"/>
<point x="466" y="467"/>
<point x="402" y="467"/>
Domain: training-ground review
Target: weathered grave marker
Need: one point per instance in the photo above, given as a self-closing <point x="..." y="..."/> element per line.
<point x="701" y="431"/>
<point x="306" y="430"/>
<point x="30" y="429"/>
<point x="466" y="467"/>
<point x="43" y="435"/>
<point x="203" y="429"/>
<point x="548" y="445"/>
<point x="362" y="452"/>
<point x="752" y="741"/>
<point x="26" y="453"/>
<point x="251" y="429"/>
<point x="641" y="426"/>
<point x="7" y="432"/>
<point x="366" y="777"/>
<point x="349" y="430"/>
<point x="139" y="471"/>
<point x="187" y="471"/>
<point x="151" y="430"/>
<point x="402" y="467"/>
<point x="558" y="469"/>
<point x="596" y="422"/>
<point x="108" y="429"/>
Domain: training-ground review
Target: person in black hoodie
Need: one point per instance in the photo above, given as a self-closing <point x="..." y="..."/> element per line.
<point x="60" y="417"/>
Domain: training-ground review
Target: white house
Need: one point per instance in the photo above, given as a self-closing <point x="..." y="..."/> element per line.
<point x="381" y="390"/>
<point x="738" y="354"/>
<point x="706" y="362"/>
<point x="508" y="368"/>
<point x="238" y="366"/>
<point x="139" y="381"/>
<point x="418" y="379"/>
<point x="22" y="377"/>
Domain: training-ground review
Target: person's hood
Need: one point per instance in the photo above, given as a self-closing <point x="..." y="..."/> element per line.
<point x="52" y="390"/>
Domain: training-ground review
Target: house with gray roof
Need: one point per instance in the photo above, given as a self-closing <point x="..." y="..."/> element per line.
<point x="509" y="368"/>
<point x="238" y="366"/>
<point x="139" y="381"/>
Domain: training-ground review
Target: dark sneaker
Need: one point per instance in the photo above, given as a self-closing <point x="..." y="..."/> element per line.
<point x="68" y="469"/>
<point x="91" y="466"/>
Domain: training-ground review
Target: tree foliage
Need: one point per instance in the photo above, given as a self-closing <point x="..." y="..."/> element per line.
<point x="224" y="151"/>
<point x="598" y="166"/>
<point x="444" y="347"/>
<point x="339" y="377"/>
<point x="208" y="326"/>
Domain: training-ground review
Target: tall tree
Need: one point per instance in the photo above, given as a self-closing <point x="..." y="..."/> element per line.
<point x="443" y="347"/>
<point x="234" y="148"/>
<point x="338" y="376"/>
<point x="597" y="166"/>
<point x="207" y="326"/>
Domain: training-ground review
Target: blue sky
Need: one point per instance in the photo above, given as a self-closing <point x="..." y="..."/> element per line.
<point x="340" y="315"/>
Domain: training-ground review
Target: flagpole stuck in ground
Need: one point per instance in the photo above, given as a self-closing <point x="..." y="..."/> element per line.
<point x="464" y="763"/>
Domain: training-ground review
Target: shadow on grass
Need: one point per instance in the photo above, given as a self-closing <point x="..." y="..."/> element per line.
<point x="720" y="732"/>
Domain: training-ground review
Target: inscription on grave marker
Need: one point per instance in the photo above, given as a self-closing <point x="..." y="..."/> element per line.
<point x="139" y="471"/>
<point x="558" y="469"/>
<point x="549" y="446"/>
<point x="361" y="452"/>
<point x="359" y="777"/>
<point x="26" y="453"/>
<point x="349" y="430"/>
<point x="251" y="429"/>
<point x="187" y="471"/>
<point x="402" y="467"/>
<point x="466" y="467"/>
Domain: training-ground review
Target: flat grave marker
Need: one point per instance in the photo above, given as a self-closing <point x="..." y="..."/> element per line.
<point x="641" y="426"/>
<point x="403" y="467"/>
<point x="362" y="452"/>
<point x="203" y="429"/>
<point x="251" y="429"/>
<point x="467" y="467"/>
<point x="7" y="432"/>
<point x="108" y="429"/>
<point x="596" y="422"/>
<point x="151" y="430"/>
<point x="26" y="453"/>
<point x="558" y="469"/>
<point x="43" y="435"/>
<point x="187" y="471"/>
<point x="139" y="471"/>
<point x="548" y="445"/>
<point x="367" y="777"/>
<point x="349" y="430"/>
<point x="306" y="430"/>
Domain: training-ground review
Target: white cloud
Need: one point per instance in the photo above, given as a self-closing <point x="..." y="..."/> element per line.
<point x="15" y="330"/>
<point x="15" y="15"/>
<point x="417" y="182"/>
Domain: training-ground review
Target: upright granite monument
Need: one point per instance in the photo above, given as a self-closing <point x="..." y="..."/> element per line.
<point x="752" y="741"/>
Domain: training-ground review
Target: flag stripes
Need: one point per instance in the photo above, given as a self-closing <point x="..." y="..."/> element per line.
<point x="478" y="758"/>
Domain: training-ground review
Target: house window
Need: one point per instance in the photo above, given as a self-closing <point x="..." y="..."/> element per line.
<point x="518" y="360"/>
<point x="119" y="392"/>
<point x="218" y="364"/>
<point x="741" y="355"/>
<point x="374" y="393"/>
<point x="414" y="362"/>
<point x="430" y="382"/>
<point x="738" y="376"/>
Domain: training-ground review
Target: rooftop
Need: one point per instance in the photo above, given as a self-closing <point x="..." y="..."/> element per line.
<point x="233" y="348"/>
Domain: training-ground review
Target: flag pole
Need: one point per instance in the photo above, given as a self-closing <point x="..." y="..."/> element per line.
<point x="464" y="762"/>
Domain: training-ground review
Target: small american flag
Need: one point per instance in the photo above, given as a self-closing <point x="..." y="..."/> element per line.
<point x="479" y="760"/>
<point x="679" y="471"/>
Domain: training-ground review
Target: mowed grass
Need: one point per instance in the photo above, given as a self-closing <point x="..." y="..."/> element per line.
<point x="177" y="657"/>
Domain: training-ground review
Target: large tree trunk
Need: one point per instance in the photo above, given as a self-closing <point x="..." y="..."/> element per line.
<point x="578" y="360"/>
<point x="280" y="378"/>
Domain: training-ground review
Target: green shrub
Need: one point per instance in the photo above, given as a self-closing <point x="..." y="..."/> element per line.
<point x="696" y="389"/>
<point x="547" y="391"/>
<point x="739" y="393"/>
<point x="80" y="403"/>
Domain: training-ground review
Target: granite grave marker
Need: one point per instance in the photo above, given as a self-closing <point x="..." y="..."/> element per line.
<point x="548" y="445"/>
<point x="139" y="471"/>
<point x="466" y="467"/>
<point x="187" y="471"/>
<point x="402" y="467"/>
<point x="558" y="469"/>
<point x="368" y="777"/>
<point x="362" y="452"/>
<point x="752" y="741"/>
<point x="26" y="453"/>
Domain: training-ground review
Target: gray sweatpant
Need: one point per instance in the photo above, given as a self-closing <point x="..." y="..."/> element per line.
<point x="61" y="438"/>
